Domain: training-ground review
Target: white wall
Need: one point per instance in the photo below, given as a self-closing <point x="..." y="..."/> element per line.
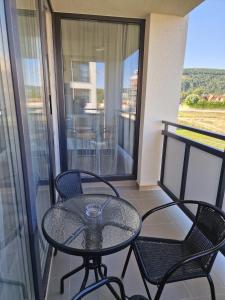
<point x="165" y="41"/>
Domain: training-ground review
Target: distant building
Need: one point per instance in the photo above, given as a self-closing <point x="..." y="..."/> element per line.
<point x="133" y="90"/>
<point x="214" y="97"/>
<point x="83" y="84"/>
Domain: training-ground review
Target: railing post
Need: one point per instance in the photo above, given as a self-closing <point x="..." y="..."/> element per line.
<point x="184" y="171"/>
<point x="164" y="153"/>
<point x="221" y="186"/>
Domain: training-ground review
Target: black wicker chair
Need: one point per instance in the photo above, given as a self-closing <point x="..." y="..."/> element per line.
<point x="106" y="281"/>
<point x="69" y="183"/>
<point x="163" y="261"/>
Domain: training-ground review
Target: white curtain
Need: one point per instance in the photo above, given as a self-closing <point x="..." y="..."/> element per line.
<point x="110" y="43"/>
<point x="104" y="46"/>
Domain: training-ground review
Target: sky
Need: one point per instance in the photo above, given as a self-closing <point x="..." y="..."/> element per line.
<point x="205" y="46"/>
<point x="129" y="67"/>
<point x="32" y="71"/>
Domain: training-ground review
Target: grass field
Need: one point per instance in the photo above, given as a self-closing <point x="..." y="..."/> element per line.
<point x="210" y="120"/>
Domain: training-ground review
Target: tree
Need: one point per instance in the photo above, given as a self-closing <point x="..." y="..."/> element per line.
<point x="100" y="96"/>
<point x="198" y="91"/>
<point x="192" y="99"/>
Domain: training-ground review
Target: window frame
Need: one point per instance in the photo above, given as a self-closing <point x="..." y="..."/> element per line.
<point x="57" y="17"/>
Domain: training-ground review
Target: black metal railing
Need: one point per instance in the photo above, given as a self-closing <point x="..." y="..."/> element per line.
<point x="189" y="144"/>
<point x="126" y="131"/>
<point x="123" y="126"/>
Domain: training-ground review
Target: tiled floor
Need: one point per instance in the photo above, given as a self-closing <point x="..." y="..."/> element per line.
<point x="169" y="223"/>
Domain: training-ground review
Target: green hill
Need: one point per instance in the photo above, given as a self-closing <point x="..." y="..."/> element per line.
<point x="202" y="82"/>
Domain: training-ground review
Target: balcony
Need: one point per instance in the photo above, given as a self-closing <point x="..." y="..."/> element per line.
<point x="72" y="97"/>
<point x="179" y="169"/>
<point x="171" y="224"/>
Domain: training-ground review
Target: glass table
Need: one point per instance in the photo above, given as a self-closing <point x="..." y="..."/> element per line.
<point x="91" y="226"/>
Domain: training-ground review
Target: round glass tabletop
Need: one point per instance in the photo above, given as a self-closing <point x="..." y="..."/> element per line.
<point x="91" y="224"/>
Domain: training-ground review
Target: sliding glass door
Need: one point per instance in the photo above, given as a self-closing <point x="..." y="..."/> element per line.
<point x="99" y="88"/>
<point x="36" y="111"/>
<point x="33" y="107"/>
<point x="15" y="261"/>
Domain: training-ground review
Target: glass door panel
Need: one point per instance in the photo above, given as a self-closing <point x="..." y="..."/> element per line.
<point x="32" y="67"/>
<point x="15" y="261"/>
<point x="100" y="73"/>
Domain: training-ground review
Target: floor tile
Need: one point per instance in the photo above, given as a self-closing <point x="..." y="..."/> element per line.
<point x="60" y="264"/>
<point x="54" y="290"/>
<point x="175" y="291"/>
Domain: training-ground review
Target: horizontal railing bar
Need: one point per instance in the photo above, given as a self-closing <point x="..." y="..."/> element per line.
<point x="93" y="108"/>
<point x="195" y="144"/>
<point x="201" y="131"/>
<point x="185" y="209"/>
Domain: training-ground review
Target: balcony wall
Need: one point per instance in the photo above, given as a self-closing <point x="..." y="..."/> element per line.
<point x="165" y="40"/>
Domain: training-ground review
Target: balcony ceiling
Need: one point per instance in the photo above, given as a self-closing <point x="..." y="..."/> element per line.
<point x="126" y="8"/>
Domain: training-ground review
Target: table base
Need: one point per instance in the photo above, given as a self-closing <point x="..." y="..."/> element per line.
<point x="100" y="271"/>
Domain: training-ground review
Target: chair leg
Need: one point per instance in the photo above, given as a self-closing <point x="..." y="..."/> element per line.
<point x="55" y="252"/>
<point x="212" y="288"/>
<point x="96" y="275"/>
<point x="121" y="287"/>
<point x="99" y="284"/>
<point x="104" y="269"/>
<point x="146" y="287"/>
<point x="86" y="274"/>
<point x="109" y="285"/>
<point x="126" y="263"/>
<point x="159" y="291"/>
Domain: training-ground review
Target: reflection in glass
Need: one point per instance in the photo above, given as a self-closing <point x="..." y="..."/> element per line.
<point x="80" y="71"/>
<point x="100" y="63"/>
<point x="15" y="271"/>
<point x="31" y="59"/>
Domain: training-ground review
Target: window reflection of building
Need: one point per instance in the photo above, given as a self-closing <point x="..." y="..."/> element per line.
<point x="80" y="71"/>
<point x="133" y="90"/>
<point x="129" y="95"/>
<point x="83" y="85"/>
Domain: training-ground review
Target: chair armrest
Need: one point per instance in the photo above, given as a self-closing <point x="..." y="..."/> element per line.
<point x="191" y="258"/>
<point x="151" y="211"/>
<point x="102" y="180"/>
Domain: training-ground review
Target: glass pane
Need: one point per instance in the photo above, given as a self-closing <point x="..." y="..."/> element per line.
<point x="31" y="58"/>
<point x="15" y="272"/>
<point x="80" y="71"/>
<point x="100" y="63"/>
